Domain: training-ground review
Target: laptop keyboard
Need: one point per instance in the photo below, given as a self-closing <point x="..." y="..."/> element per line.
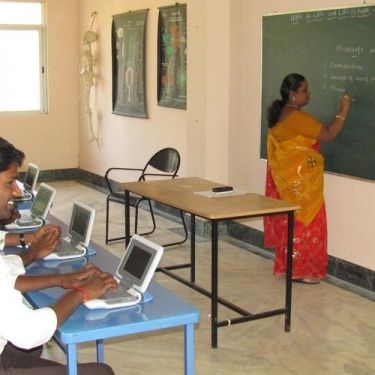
<point x="26" y="196"/>
<point x="67" y="248"/>
<point x="26" y="221"/>
<point x="119" y="295"/>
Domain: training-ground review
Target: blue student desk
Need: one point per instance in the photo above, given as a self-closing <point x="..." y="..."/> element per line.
<point x="166" y="310"/>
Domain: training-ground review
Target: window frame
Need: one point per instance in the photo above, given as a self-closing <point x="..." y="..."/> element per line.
<point x="41" y="30"/>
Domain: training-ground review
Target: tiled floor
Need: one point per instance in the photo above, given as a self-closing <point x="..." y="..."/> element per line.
<point x="333" y="330"/>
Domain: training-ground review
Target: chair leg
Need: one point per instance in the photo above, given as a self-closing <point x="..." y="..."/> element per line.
<point x="136" y="218"/>
<point x="106" y="221"/>
<point x="184" y="225"/>
<point x="185" y="230"/>
<point x="107" y="239"/>
<point x="154" y="223"/>
<point x="152" y="216"/>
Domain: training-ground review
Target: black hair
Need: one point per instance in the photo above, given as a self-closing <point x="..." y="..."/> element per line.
<point x="9" y="155"/>
<point x="290" y="83"/>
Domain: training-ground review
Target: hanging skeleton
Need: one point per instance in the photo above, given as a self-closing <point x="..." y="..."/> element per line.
<point x="88" y="74"/>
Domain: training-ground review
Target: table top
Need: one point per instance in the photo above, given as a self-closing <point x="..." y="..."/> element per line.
<point x="164" y="311"/>
<point x="181" y="193"/>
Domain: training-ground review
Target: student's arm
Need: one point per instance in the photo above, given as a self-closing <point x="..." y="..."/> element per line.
<point x="94" y="287"/>
<point x="26" y="327"/>
<point x="28" y="283"/>
<point x="16" y="239"/>
<point x="41" y="247"/>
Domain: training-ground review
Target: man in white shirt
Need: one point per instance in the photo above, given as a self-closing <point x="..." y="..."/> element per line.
<point x="21" y="327"/>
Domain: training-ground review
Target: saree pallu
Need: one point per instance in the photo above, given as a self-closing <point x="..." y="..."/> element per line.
<point x="295" y="174"/>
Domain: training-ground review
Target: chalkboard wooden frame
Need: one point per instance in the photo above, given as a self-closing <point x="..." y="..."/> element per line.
<point x="335" y="50"/>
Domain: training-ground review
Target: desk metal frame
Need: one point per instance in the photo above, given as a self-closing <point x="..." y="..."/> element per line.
<point x="163" y="192"/>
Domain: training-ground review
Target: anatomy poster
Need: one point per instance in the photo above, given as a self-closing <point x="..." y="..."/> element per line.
<point x="128" y="64"/>
<point x="172" y="56"/>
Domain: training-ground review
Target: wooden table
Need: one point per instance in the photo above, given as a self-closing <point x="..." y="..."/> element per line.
<point x="181" y="193"/>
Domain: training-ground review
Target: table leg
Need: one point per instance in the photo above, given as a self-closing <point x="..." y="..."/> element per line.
<point x="214" y="282"/>
<point x="99" y="351"/>
<point x="192" y="248"/>
<point x="289" y="272"/>
<point x="127" y="218"/>
<point x="189" y="362"/>
<point x="71" y="354"/>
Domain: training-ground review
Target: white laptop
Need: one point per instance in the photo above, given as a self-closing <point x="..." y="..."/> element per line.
<point x="36" y="215"/>
<point x="76" y="242"/>
<point x="28" y="185"/>
<point x="133" y="274"/>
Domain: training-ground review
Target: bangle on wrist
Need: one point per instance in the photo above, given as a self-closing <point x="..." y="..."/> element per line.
<point x="83" y="292"/>
<point x="22" y="239"/>
<point x="341" y="117"/>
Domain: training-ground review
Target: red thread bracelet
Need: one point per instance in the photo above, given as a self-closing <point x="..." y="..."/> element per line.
<point x="83" y="291"/>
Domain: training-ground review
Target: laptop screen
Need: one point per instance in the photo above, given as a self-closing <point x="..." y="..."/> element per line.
<point x="42" y="201"/>
<point x="31" y="177"/>
<point x="139" y="263"/>
<point x="81" y="223"/>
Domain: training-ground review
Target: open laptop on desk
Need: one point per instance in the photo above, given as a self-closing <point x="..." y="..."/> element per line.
<point x="35" y="217"/>
<point x="28" y="185"/>
<point x="76" y="242"/>
<point x="134" y="274"/>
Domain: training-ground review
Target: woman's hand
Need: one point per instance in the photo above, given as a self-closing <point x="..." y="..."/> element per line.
<point x="345" y="102"/>
<point x="329" y="132"/>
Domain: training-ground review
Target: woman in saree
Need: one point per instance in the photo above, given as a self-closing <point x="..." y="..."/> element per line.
<point x="295" y="174"/>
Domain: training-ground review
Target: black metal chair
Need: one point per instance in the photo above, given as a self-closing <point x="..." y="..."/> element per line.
<point x="165" y="163"/>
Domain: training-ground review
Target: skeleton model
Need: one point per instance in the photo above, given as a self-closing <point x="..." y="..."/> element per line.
<point x="88" y="74"/>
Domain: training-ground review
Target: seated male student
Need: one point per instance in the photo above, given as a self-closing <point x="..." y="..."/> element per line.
<point x="22" y="328"/>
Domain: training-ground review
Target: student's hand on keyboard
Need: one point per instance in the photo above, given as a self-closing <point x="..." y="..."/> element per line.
<point x="74" y="279"/>
<point x="98" y="284"/>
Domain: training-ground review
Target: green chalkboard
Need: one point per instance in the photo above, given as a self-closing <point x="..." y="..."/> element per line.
<point x="335" y="50"/>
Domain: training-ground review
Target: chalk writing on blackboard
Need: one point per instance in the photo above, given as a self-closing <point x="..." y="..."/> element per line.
<point x="335" y="50"/>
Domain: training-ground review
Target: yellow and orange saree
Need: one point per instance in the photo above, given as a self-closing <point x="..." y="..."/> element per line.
<point x="295" y="174"/>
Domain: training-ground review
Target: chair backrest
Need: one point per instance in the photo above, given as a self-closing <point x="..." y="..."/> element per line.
<point x="166" y="160"/>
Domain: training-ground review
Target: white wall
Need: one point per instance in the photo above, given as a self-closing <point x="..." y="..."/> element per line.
<point x="51" y="140"/>
<point x="218" y="135"/>
<point x="126" y="141"/>
<point x="350" y="202"/>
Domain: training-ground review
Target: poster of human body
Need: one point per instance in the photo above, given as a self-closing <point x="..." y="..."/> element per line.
<point x="172" y="56"/>
<point x="128" y="64"/>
